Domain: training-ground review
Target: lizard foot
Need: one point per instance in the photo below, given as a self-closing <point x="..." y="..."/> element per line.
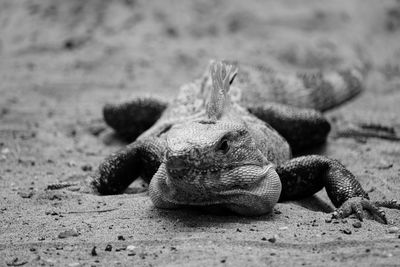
<point x="356" y="205"/>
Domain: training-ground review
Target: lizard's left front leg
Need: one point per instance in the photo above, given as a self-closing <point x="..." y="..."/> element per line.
<point x="304" y="176"/>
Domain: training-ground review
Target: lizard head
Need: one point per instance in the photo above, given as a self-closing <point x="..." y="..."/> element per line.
<point x="216" y="162"/>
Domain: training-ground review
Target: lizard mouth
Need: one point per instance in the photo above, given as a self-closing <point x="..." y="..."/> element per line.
<point x="200" y="171"/>
<point x="190" y="172"/>
<point x="216" y="184"/>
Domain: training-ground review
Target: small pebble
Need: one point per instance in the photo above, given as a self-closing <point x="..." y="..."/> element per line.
<point x="346" y="231"/>
<point x="357" y="224"/>
<point x="277" y="212"/>
<point x="383" y="165"/>
<point x="71" y="164"/>
<point x="16" y="262"/>
<point x="5" y="150"/>
<point x="328" y="220"/>
<point x="68" y="233"/>
<point x="121" y="237"/>
<point x="393" y="230"/>
<point x="108" y="248"/>
<point x="86" y="168"/>
<point x="143" y="255"/>
<point x="93" y="252"/>
<point x="26" y="194"/>
<point x="131" y="247"/>
<point x="272" y="239"/>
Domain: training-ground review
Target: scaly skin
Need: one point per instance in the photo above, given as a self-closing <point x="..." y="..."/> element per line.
<point x="205" y="149"/>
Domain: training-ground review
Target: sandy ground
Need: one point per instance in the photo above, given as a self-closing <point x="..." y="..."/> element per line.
<point x="60" y="61"/>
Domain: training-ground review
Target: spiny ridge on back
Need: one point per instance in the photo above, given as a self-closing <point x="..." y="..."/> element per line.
<point x="222" y="75"/>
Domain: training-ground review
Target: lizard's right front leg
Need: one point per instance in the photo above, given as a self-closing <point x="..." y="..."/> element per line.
<point x="120" y="169"/>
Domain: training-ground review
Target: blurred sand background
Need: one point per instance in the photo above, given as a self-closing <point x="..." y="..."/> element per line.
<point x="61" y="61"/>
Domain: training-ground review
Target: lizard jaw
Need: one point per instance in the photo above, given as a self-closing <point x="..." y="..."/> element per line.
<point x="247" y="190"/>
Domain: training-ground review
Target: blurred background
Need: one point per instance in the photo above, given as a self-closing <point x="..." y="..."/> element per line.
<point x="158" y="45"/>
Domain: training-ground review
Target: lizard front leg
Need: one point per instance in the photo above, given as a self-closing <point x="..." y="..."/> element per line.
<point x="304" y="176"/>
<point x="120" y="169"/>
<point x="302" y="128"/>
<point x="132" y="118"/>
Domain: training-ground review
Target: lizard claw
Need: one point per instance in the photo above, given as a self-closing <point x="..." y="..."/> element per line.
<point x="356" y="205"/>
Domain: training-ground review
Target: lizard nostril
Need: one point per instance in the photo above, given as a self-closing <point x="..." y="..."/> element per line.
<point x="175" y="163"/>
<point x="223" y="146"/>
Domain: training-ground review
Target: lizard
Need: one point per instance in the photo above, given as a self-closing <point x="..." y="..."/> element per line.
<point x="212" y="148"/>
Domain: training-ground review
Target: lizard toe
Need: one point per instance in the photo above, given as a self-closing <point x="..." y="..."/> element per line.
<point x="358" y="210"/>
<point x="344" y="211"/>
<point x="356" y="205"/>
<point x="376" y="211"/>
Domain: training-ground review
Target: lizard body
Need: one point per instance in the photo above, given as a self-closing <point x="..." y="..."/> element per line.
<point x="214" y="148"/>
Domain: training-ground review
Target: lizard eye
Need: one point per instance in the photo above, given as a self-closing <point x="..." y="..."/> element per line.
<point x="224" y="146"/>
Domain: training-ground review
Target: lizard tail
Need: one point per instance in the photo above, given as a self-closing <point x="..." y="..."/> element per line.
<point x="320" y="90"/>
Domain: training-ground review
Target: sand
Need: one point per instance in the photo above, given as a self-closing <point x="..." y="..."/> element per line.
<point x="61" y="61"/>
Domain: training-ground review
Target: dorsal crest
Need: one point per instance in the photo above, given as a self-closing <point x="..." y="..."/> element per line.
<point x="222" y="75"/>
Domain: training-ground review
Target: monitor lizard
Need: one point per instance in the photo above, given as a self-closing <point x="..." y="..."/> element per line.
<point x="217" y="148"/>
